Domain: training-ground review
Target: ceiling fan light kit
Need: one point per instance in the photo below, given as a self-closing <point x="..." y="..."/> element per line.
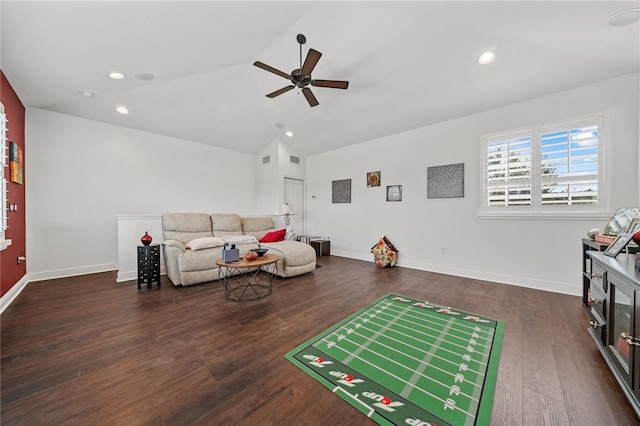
<point x="301" y="77"/>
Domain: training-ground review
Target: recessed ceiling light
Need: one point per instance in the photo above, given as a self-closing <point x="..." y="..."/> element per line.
<point x="289" y="133"/>
<point x="625" y="17"/>
<point x="116" y="76"/>
<point x="486" y="58"/>
<point x="122" y="110"/>
<point x="86" y="93"/>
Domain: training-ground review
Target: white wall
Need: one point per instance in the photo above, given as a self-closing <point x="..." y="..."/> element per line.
<point x="270" y="176"/>
<point x="84" y="173"/>
<point x="543" y="254"/>
<point x="268" y="182"/>
<point x="287" y="168"/>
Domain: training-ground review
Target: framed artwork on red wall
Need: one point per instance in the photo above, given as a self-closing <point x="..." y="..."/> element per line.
<point x="15" y="155"/>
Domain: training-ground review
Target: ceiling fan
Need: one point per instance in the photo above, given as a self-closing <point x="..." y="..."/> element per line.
<point x="301" y="77"/>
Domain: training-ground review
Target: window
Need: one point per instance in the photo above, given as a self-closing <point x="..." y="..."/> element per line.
<point x="508" y="167"/>
<point x="545" y="169"/>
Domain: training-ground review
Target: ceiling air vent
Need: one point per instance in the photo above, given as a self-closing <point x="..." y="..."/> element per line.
<point x="293" y="159"/>
<point x="266" y="159"/>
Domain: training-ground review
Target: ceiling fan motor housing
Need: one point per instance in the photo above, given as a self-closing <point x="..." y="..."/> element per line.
<point x="300" y="80"/>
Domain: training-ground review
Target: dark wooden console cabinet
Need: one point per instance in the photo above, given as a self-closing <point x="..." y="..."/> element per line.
<point x="614" y="307"/>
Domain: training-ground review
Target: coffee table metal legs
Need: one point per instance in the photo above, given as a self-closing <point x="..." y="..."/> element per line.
<point x="247" y="283"/>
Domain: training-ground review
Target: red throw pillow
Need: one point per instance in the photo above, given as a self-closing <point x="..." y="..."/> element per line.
<point x="274" y="236"/>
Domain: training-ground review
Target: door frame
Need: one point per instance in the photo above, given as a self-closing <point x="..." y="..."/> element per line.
<point x="300" y="227"/>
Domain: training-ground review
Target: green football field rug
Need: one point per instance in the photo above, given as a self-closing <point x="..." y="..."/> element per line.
<point x="406" y="361"/>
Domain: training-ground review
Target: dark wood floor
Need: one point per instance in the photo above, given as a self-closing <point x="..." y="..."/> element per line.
<point x="89" y="351"/>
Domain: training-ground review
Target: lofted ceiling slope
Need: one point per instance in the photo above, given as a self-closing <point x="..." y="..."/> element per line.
<point x="409" y="64"/>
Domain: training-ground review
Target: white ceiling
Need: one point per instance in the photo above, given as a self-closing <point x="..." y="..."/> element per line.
<point x="409" y="64"/>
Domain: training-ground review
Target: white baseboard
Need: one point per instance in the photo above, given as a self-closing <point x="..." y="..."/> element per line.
<point x="71" y="272"/>
<point x="554" y="287"/>
<point x="13" y="292"/>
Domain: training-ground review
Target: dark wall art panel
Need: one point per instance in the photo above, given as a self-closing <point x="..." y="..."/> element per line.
<point x="445" y="181"/>
<point x="341" y="191"/>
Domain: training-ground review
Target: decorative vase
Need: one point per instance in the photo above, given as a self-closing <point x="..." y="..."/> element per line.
<point x="251" y="256"/>
<point x="146" y="239"/>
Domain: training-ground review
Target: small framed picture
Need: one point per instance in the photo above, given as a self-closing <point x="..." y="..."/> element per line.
<point x="373" y="179"/>
<point x="634" y="227"/>
<point x="394" y="193"/>
<point x="618" y="244"/>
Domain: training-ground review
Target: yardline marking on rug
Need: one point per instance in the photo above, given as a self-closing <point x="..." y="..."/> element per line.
<point x="429" y="320"/>
<point x="379" y="332"/>
<point x="481" y="362"/>
<point x="401" y="380"/>
<point x="422" y="320"/>
<point x="475" y="334"/>
<point x="416" y="373"/>
<point x="460" y="326"/>
<point x="420" y="362"/>
<point x="413" y="381"/>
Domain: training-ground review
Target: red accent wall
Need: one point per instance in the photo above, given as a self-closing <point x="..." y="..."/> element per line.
<point x="10" y="271"/>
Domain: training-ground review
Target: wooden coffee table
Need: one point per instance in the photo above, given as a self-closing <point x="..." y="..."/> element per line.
<point x="257" y="275"/>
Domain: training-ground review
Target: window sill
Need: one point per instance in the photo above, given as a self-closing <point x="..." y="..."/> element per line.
<point x="4" y="244"/>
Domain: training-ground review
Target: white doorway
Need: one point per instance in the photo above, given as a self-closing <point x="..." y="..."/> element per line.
<point x="294" y="197"/>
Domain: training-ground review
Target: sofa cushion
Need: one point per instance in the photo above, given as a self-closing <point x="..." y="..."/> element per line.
<point x="295" y="257"/>
<point x="185" y="227"/>
<point x="274" y="236"/>
<point x="257" y="226"/>
<point x="239" y="239"/>
<point x="226" y="224"/>
<point x="205" y="242"/>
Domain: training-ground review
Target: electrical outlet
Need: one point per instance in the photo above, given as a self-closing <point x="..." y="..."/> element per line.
<point x="443" y="250"/>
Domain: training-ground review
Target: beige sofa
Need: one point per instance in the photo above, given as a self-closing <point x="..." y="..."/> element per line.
<point x="192" y="243"/>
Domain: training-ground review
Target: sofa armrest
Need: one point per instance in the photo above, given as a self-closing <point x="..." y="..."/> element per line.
<point x="174" y="243"/>
<point x="173" y="249"/>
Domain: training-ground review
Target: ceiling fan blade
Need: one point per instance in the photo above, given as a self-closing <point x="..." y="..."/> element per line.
<point x="271" y="69"/>
<point x="310" y="98"/>
<point x="280" y="91"/>
<point x="334" y="84"/>
<point x="313" y="56"/>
